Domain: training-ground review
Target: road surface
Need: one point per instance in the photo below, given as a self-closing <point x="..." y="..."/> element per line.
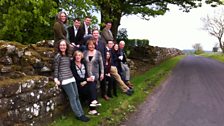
<point x="193" y="95"/>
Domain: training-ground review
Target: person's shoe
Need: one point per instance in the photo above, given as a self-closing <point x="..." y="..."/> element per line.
<point x="95" y="103"/>
<point x="131" y="90"/>
<point x="93" y="112"/>
<point x="106" y="97"/>
<point x="129" y="84"/>
<point x="128" y="92"/>
<point x="83" y="118"/>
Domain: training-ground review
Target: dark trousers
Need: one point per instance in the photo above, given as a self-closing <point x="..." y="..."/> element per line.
<point x="103" y="87"/>
<point x="111" y="83"/>
<point x="88" y="92"/>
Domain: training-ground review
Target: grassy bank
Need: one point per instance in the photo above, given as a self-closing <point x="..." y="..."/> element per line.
<point x="117" y="109"/>
<point x="216" y="56"/>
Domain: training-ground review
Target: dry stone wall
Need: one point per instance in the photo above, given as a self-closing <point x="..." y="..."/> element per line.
<point x="153" y="55"/>
<point x="27" y="93"/>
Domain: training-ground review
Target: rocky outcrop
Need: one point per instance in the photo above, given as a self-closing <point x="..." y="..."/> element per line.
<point x="27" y="92"/>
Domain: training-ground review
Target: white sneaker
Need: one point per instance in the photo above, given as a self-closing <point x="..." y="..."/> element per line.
<point x="95" y="104"/>
<point x="93" y="112"/>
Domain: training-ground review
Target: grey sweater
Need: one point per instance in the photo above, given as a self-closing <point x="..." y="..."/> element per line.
<point x="95" y="66"/>
<point x="62" y="69"/>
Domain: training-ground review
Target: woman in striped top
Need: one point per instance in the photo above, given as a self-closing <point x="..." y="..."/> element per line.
<point x="63" y="76"/>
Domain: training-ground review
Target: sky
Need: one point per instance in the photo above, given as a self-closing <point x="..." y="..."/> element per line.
<point x="175" y="29"/>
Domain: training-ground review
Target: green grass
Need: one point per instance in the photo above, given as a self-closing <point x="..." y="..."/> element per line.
<point x="117" y="109"/>
<point x="216" y="56"/>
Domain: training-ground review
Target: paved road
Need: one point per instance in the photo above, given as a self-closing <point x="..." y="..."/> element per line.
<point x="192" y="96"/>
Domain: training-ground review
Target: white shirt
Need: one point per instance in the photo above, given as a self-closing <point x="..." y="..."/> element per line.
<point x="86" y="29"/>
<point x="67" y="81"/>
<point x="75" y="30"/>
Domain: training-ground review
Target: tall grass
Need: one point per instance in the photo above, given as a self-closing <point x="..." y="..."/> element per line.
<point x="117" y="109"/>
<point x="216" y="56"/>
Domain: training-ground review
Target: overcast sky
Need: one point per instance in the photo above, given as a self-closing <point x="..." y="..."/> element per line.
<point x="174" y="29"/>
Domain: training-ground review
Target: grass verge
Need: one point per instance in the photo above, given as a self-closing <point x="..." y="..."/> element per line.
<point x="117" y="109"/>
<point x="216" y="56"/>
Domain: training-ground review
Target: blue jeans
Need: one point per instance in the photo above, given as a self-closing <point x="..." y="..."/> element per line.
<point x="73" y="96"/>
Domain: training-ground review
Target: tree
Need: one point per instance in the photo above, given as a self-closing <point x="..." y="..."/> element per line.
<point x="27" y="21"/>
<point x="122" y="34"/>
<point x="198" y="48"/>
<point x="113" y="10"/>
<point x="215" y="26"/>
<point x="78" y="8"/>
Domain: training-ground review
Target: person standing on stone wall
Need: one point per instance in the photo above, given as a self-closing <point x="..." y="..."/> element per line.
<point x="106" y="34"/>
<point x="60" y="30"/>
<point x="76" y="36"/>
<point x="63" y="76"/>
<point x="86" y="29"/>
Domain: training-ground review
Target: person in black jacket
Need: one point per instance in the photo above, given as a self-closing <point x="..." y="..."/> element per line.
<point x="86" y="29"/>
<point x="108" y="77"/>
<point x="75" y="35"/>
<point x="85" y="83"/>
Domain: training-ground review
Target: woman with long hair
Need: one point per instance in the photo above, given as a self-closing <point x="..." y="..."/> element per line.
<point x="60" y="29"/>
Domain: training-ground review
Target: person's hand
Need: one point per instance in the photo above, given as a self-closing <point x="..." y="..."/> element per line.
<point x="90" y="79"/>
<point x="120" y="57"/>
<point x="57" y="83"/>
<point x="101" y="77"/>
<point x="72" y="45"/>
<point x="83" y="83"/>
<point x="108" y="74"/>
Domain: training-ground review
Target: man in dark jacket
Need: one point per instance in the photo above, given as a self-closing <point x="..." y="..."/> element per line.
<point x="76" y="35"/>
<point x="86" y="29"/>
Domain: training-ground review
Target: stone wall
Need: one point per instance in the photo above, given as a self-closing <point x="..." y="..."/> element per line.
<point x="27" y="92"/>
<point x="152" y="55"/>
<point x="29" y="101"/>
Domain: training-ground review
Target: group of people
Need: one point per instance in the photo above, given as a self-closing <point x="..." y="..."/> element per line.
<point x="85" y="57"/>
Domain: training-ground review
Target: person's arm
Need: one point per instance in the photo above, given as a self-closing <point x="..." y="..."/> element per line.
<point x="58" y="30"/>
<point x="56" y="69"/>
<point x="75" y="73"/>
<point x="101" y="64"/>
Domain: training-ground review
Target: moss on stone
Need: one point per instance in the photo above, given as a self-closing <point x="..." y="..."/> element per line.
<point x="19" y="45"/>
<point x="9" y="81"/>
